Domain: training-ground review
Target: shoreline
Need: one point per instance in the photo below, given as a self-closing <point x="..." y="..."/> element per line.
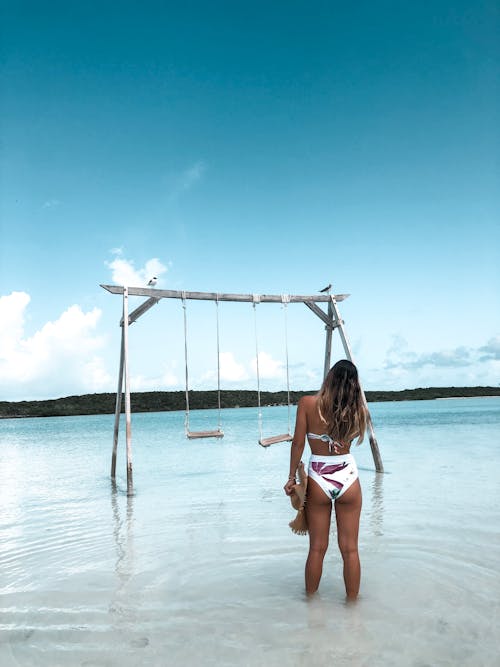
<point x="459" y="398"/>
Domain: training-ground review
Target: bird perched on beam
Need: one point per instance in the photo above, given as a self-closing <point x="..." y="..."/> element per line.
<point x="152" y="282"/>
<point x="327" y="288"/>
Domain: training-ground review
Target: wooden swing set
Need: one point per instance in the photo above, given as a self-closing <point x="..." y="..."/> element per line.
<point x="331" y="318"/>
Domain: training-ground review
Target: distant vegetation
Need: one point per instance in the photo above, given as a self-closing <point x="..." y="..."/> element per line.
<point x="159" y="401"/>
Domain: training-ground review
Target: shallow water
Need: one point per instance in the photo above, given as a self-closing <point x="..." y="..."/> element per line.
<point x="199" y="567"/>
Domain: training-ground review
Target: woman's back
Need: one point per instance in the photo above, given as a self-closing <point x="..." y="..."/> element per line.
<point x="316" y="426"/>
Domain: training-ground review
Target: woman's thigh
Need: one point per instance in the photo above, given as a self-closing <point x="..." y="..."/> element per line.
<point x="347" y="512"/>
<point x="319" y="511"/>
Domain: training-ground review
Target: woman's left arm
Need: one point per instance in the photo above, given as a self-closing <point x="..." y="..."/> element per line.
<point x="298" y="444"/>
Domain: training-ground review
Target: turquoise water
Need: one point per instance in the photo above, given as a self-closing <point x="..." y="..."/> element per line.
<point x="199" y="566"/>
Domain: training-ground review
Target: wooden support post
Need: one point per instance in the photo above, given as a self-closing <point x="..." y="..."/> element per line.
<point x="377" y="459"/>
<point x="328" y="344"/>
<point x="118" y="409"/>
<point x="140" y="310"/>
<point x="128" y="427"/>
<point x="347" y="349"/>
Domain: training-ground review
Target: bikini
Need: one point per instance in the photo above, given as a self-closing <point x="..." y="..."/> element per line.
<point x="334" y="474"/>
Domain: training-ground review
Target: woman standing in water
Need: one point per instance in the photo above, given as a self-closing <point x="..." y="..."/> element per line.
<point x="331" y="420"/>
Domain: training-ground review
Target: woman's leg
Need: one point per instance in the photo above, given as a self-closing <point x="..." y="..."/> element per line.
<point x="348" y="510"/>
<point x="318" y="511"/>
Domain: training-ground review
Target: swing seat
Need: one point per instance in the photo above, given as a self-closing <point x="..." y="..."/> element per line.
<point x="193" y="435"/>
<point x="284" y="437"/>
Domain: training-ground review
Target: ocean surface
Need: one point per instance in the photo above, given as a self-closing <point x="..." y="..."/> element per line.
<point x="198" y="567"/>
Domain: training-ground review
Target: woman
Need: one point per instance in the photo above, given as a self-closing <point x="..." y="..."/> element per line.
<point x="331" y="420"/>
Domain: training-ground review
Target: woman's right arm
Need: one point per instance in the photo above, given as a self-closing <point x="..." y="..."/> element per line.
<point x="298" y="444"/>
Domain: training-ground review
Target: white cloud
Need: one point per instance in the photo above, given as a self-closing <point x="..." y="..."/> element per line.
<point x="230" y="369"/>
<point x="401" y="357"/>
<point x="269" y="368"/>
<point x="51" y="203"/>
<point x="458" y="366"/>
<point x="314" y="376"/>
<point x="167" y="380"/>
<point x="458" y="358"/>
<point x="186" y="180"/>
<point x="12" y="309"/>
<point x="491" y="350"/>
<point x="192" y="175"/>
<point x="61" y="357"/>
<point x="123" y="271"/>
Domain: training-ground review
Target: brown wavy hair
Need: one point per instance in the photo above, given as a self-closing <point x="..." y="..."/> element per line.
<point x="340" y="403"/>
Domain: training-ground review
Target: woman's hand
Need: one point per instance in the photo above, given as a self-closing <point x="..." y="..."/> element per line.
<point x="288" y="488"/>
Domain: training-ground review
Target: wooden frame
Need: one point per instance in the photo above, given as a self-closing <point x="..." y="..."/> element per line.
<point x="331" y="318"/>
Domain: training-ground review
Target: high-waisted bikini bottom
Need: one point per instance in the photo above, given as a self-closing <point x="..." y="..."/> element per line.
<point x="334" y="474"/>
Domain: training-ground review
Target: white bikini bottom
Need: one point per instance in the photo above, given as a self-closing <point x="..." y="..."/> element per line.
<point x="334" y="474"/>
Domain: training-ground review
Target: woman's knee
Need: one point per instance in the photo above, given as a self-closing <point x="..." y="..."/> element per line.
<point x="348" y="549"/>
<point x="319" y="547"/>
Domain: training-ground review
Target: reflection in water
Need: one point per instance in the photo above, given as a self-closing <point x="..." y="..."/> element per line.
<point x="317" y="613"/>
<point x="123" y="538"/>
<point x="335" y="629"/>
<point x="377" y="508"/>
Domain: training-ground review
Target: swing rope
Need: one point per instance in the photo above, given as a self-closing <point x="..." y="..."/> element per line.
<point x="186" y="418"/>
<point x="284" y="437"/>
<point x="218" y="363"/>
<point x="219" y="433"/>
<point x="285" y="299"/>
<point x="256" y="300"/>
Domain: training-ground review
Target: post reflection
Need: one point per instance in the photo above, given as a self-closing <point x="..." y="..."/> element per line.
<point x="122" y="506"/>
<point x="377" y="506"/>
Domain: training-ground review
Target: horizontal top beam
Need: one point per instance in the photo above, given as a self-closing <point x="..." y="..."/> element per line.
<point x="216" y="296"/>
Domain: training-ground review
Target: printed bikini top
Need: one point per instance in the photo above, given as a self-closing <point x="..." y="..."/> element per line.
<point x="325" y="438"/>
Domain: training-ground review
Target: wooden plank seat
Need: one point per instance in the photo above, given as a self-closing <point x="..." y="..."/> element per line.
<point x="284" y="437"/>
<point x="192" y="435"/>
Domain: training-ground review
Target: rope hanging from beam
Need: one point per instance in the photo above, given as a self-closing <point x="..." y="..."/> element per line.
<point x="191" y="435"/>
<point x="283" y="437"/>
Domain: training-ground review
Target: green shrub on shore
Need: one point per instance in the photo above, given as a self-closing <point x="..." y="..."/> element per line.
<point x="161" y="401"/>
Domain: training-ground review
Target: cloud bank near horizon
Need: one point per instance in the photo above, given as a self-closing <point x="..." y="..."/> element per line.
<point x="63" y="357"/>
<point x="69" y="355"/>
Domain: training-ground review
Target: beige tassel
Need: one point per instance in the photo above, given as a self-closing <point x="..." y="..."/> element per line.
<point x="298" y="498"/>
<point x="299" y="524"/>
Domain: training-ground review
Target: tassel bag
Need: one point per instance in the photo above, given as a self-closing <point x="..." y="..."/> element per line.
<point x="298" y="499"/>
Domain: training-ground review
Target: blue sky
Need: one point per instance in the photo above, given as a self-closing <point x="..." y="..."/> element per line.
<point x="249" y="147"/>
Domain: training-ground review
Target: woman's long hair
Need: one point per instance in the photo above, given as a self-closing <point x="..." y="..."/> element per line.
<point x="340" y="403"/>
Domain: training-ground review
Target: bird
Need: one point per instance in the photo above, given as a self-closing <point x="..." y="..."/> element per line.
<point x="327" y="288"/>
<point x="152" y="282"/>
